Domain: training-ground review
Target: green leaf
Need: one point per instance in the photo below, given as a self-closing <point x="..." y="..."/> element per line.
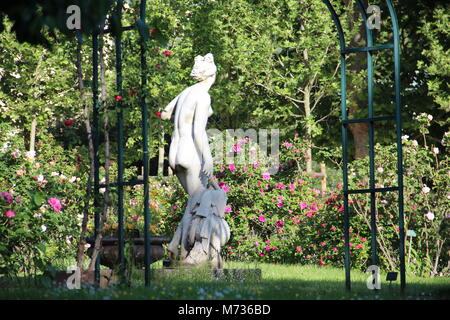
<point x="38" y="198"/>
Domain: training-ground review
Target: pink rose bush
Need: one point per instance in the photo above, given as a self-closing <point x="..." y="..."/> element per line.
<point x="39" y="203"/>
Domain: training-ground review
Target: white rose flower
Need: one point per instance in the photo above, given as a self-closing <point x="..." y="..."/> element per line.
<point x="30" y="154"/>
<point x="380" y="170"/>
<point x="405" y="137"/>
<point x="436" y="150"/>
<point x="430" y="216"/>
<point x="430" y="117"/>
<point x="43" y="228"/>
<point x="425" y="189"/>
<point x="414" y="143"/>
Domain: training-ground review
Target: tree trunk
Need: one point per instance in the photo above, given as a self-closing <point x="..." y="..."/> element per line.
<point x="307" y="107"/>
<point x="86" y="205"/>
<point x="361" y="138"/>
<point x="356" y="97"/>
<point x="107" y="200"/>
<point x="33" y="136"/>
<point x="161" y="154"/>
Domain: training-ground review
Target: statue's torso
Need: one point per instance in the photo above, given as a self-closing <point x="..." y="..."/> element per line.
<point x="183" y="149"/>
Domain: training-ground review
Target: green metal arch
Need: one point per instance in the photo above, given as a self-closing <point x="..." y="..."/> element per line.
<point x="369" y="48"/>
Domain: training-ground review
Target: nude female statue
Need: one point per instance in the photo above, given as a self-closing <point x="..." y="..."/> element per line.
<point x="189" y="154"/>
<point x="202" y="229"/>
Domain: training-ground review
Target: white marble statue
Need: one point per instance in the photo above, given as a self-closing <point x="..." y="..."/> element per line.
<point x="203" y="229"/>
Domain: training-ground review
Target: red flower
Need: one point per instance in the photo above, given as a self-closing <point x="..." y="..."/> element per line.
<point x="132" y="92"/>
<point x="68" y="123"/>
<point x="158" y="114"/>
<point x="167" y="53"/>
<point x="153" y="32"/>
<point x="118" y="98"/>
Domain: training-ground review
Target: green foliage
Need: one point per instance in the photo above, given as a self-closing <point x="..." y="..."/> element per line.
<point x="35" y="231"/>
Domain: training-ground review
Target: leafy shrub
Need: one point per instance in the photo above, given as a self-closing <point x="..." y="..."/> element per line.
<point x="40" y="202"/>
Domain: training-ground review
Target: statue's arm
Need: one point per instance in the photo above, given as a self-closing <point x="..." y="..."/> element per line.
<point x="200" y="135"/>
<point x="167" y="112"/>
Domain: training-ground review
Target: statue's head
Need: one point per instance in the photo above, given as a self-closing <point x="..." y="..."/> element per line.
<point x="204" y="67"/>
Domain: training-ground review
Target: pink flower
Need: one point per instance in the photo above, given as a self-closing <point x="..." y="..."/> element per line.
<point x="425" y="190"/>
<point x="298" y="249"/>
<point x="303" y="205"/>
<point x="280" y="223"/>
<point x="292" y="186"/>
<point x="167" y="53"/>
<point x="280" y="186"/>
<point x="236" y="147"/>
<point x="262" y="219"/>
<point x="363" y="239"/>
<point x="333" y="229"/>
<point x="341" y="208"/>
<point x="7" y="196"/>
<point x="358" y="246"/>
<point x="225" y="188"/>
<point x="256" y="243"/>
<point x="9" y="214"/>
<point x="20" y="172"/>
<point x="335" y="250"/>
<point x="266" y="176"/>
<point x="232" y="167"/>
<point x="280" y="204"/>
<point x="322" y="243"/>
<point x="288" y="144"/>
<point x="261" y="254"/>
<point x="267" y="248"/>
<point x="245" y="169"/>
<point x="227" y="209"/>
<point x="55" y="204"/>
<point x="255" y="164"/>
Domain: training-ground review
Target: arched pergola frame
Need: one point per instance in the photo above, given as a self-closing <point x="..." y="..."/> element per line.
<point x="369" y="48"/>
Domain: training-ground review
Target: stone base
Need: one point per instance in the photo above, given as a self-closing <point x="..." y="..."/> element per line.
<point x="208" y="274"/>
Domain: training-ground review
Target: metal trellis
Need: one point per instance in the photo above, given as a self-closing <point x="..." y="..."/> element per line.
<point x="120" y="183"/>
<point x="369" y="48"/>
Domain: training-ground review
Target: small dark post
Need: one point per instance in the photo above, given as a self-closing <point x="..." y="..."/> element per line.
<point x="145" y="124"/>
<point x="96" y="145"/>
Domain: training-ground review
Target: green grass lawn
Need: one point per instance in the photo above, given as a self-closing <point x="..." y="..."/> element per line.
<point x="278" y="282"/>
